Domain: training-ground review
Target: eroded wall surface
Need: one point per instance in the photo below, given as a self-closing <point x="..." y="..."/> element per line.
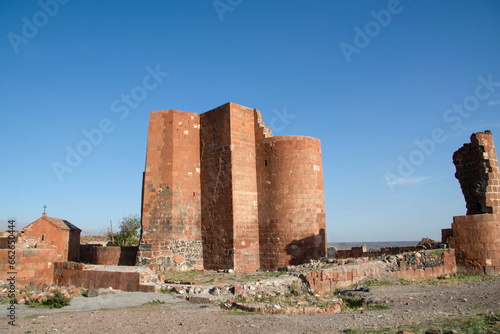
<point x="477" y="171"/>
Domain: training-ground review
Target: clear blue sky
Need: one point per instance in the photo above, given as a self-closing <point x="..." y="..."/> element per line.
<point x="368" y="78"/>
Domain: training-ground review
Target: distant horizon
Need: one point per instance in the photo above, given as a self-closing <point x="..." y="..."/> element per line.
<point x="96" y="232"/>
<point x="372" y="244"/>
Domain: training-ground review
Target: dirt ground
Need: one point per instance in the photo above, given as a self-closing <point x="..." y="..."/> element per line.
<point x="414" y="303"/>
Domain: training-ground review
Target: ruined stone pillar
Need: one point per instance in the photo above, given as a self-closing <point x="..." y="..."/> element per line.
<point x="477" y="172"/>
<point x="476" y="236"/>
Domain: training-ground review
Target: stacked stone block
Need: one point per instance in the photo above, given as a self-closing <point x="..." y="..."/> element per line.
<point x="476" y="236"/>
<point x="216" y="200"/>
<point x="245" y="195"/>
<point x="72" y="273"/>
<point x="241" y="215"/>
<point x="477" y="171"/>
<point x="425" y="265"/>
<point x="476" y="239"/>
<point x="31" y="265"/>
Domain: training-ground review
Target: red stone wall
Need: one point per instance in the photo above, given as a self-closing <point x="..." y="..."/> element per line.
<point x="410" y="267"/>
<point x="476" y="239"/>
<point x="216" y="188"/>
<point x="478" y="173"/>
<point x="74" y="246"/>
<point x="71" y="273"/>
<point x="429" y="265"/>
<point x="118" y="256"/>
<point x="338" y="277"/>
<point x="171" y="231"/>
<point x="31" y="265"/>
<point x="291" y="201"/>
<point x="244" y="181"/>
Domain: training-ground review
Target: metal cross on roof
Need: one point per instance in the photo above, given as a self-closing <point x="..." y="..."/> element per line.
<point x="44" y="207"/>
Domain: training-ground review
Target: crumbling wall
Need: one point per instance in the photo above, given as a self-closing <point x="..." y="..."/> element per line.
<point x="411" y="266"/>
<point x="356" y="252"/>
<point x="477" y="172"/>
<point x="476" y="236"/>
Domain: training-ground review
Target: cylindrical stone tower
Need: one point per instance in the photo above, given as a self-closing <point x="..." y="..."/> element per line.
<point x="291" y="201"/>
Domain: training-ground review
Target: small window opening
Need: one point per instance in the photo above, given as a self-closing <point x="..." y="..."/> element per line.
<point x="265" y="162"/>
<point x="43" y="237"/>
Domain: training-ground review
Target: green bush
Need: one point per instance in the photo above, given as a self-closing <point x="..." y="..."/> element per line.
<point x="58" y="300"/>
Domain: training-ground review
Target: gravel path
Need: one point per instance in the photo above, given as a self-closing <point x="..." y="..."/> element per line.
<point x="115" y="299"/>
<point x="125" y="312"/>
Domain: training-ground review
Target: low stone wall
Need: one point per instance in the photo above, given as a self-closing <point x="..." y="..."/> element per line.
<point x="72" y="273"/>
<point x="418" y="265"/>
<point x="31" y="265"/>
<point x="119" y="256"/>
<point x="361" y="251"/>
<point x="341" y="276"/>
<point x="332" y="309"/>
<point x="425" y="265"/>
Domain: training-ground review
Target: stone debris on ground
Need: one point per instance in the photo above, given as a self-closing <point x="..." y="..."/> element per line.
<point x="91" y="293"/>
<point x="408" y="304"/>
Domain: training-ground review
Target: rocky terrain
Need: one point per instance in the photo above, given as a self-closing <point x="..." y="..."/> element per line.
<point x="396" y="307"/>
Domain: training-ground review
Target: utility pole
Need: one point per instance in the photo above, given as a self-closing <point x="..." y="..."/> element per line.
<point x="112" y="238"/>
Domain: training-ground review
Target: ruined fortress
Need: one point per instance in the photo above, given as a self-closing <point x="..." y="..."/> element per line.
<point x="220" y="192"/>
